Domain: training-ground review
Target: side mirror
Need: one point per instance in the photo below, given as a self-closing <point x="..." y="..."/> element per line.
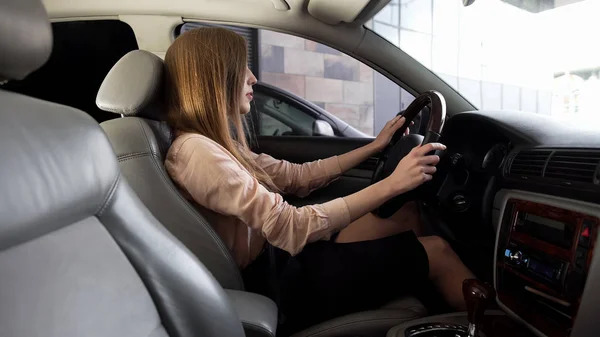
<point x="322" y="128"/>
<point x="468" y="2"/>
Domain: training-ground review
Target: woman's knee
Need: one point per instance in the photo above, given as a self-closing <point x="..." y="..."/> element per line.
<point x="439" y="253"/>
<point x="436" y="246"/>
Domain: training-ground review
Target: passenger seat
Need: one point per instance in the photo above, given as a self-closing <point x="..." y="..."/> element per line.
<point x="80" y="255"/>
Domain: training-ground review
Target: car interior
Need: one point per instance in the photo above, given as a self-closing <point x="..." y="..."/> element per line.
<point x="96" y="239"/>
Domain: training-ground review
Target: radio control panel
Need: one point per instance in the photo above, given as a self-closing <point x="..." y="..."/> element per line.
<point x="536" y="265"/>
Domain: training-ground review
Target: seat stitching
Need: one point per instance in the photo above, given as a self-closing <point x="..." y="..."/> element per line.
<point x="139" y="155"/>
<point x="325" y="329"/>
<point x="112" y="191"/>
<point x="132" y="154"/>
<point x="209" y="230"/>
<point x="146" y="136"/>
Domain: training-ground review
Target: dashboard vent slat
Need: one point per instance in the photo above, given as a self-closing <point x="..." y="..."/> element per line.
<point x="573" y="166"/>
<point x="529" y="163"/>
<point x="559" y="166"/>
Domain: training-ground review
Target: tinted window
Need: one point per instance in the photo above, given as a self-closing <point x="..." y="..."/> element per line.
<point x="279" y="118"/>
<point x="83" y="53"/>
<point x="249" y="34"/>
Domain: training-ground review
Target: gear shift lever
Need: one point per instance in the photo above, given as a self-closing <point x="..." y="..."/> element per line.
<point x="477" y="296"/>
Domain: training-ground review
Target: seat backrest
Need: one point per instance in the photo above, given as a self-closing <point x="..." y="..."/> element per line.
<point x="133" y="89"/>
<point x="80" y="255"/>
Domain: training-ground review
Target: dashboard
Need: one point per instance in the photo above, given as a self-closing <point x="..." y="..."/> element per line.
<point x="534" y="184"/>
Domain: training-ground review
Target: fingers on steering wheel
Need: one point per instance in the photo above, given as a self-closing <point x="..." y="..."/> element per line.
<point x="430" y="160"/>
<point x="429" y="169"/>
<point x="424" y="149"/>
<point x="392" y="122"/>
<point x="398" y="122"/>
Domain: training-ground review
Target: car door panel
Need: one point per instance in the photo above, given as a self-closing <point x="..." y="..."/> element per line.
<point x="306" y="149"/>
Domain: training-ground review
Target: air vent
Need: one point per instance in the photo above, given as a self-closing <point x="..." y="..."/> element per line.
<point x="573" y="166"/>
<point x="529" y="163"/>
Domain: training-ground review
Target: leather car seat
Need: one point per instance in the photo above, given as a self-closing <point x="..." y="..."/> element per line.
<point x="141" y="139"/>
<point x="80" y="255"/>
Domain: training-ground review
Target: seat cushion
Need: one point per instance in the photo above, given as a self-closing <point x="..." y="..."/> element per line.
<point x="372" y="323"/>
<point x="59" y="272"/>
<point x="405" y="303"/>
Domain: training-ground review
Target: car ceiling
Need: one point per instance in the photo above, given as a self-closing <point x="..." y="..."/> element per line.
<point x="153" y="22"/>
<point x="259" y="13"/>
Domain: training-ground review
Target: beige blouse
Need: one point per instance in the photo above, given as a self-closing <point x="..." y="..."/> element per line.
<point x="241" y="210"/>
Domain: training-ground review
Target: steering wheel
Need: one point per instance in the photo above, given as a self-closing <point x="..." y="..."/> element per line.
<point x="401" y="145"/>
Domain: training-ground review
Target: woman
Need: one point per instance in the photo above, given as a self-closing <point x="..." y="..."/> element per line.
<point x="348" y="259"/>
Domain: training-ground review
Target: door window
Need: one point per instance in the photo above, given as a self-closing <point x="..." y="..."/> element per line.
<point x="276" y="117"/>
<point x="339" y="86"/>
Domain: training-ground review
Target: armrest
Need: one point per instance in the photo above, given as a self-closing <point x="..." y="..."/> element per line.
<point x="257" y="313"/>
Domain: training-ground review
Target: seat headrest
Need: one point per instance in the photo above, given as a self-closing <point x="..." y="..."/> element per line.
<point x="25" y="38"/>
<point x="133" y="86"/>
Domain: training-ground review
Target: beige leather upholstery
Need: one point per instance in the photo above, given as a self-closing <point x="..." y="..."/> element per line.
<point x="141" y="144"/>
<point x="131" y="84"/>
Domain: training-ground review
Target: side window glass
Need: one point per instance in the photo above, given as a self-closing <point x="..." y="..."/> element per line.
<point x="277" y="117"/>
<point x="270" y="126"/>
<point x="330" y="86"/>
<point x="338" y="84"/>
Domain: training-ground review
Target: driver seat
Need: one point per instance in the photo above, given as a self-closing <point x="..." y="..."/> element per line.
<point x="141" y="140"/>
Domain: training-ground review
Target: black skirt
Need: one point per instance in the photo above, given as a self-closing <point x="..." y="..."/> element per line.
<point x="329" y="279"/>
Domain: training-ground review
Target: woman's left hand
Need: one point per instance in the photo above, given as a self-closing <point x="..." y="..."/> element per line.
<point x="388" y="131"/>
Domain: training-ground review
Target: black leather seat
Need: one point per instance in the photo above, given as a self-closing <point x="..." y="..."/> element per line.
<point x="141" y="139"/>
<point x="80" y="255"/>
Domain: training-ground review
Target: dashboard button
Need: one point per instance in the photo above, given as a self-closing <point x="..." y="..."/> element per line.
<point x="586" y="231"/>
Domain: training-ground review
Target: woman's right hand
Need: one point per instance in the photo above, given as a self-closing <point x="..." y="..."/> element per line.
<point x="415" y="168"/>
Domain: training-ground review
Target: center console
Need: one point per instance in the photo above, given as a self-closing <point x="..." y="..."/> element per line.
<point x="543" y="255"/>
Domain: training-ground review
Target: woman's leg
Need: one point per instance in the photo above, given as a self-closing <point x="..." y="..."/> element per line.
<point x="446" y="270"/>
<point x="370" y="227"/>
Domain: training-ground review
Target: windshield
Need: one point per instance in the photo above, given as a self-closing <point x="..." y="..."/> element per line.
<point x="540" y="56"/>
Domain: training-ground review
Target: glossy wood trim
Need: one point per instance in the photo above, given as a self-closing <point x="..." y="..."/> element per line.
<point x="547" y="326"/>
<point x="542" y="246"/>
<point x="503" y="326"/>
<point x="515" y="301"/>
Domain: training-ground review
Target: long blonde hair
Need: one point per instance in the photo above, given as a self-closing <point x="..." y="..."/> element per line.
<point x="205" y="74"/>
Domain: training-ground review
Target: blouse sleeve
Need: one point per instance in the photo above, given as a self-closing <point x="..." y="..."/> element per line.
<point x="299" y="179"/>
<point x="217" y="181"/>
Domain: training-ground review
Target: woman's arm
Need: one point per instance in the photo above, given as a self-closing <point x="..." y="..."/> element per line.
<point x="216" y="181"/>
<point x="351" y="159"/>
<point x="413" y="170"/>
<point x="301" y="179"/>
